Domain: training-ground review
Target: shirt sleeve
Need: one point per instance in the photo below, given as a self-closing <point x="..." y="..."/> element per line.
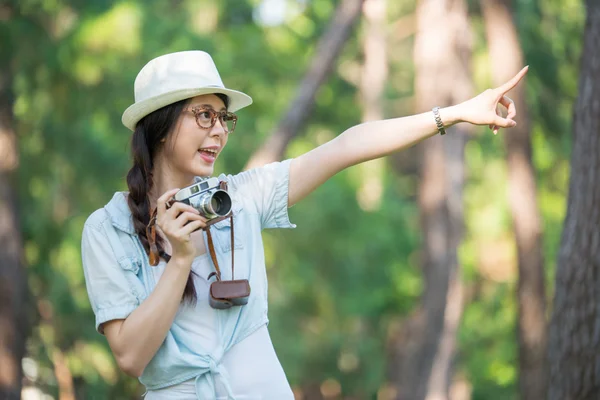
<point x="108" y="279"/>
<point x="265" y="190"/>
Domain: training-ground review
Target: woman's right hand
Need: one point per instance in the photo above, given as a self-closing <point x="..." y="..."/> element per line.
<point x="483" y="109"/>
<point x="177" y="223"/>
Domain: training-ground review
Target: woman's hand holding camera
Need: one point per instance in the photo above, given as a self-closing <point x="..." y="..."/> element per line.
<point x="177" y="223"/>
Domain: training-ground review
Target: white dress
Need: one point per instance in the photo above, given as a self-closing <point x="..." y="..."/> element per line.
<point x="253" y="369"/>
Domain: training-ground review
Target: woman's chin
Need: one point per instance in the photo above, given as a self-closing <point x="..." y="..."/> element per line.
<point x="202" y="171"/>
<point x="203" y="165"/>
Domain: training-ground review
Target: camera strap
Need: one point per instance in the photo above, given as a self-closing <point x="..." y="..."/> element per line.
<point x="151" y="236"/>
<point x="213" y="254"/>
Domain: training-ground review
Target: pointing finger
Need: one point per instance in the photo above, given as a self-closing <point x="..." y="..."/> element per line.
<point x="514" y="81"/>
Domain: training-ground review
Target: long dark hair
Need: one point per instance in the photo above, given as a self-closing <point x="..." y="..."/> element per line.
<point x="147" y="139"/>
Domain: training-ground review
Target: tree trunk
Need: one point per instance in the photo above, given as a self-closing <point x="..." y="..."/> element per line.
<point x="13" y="283"/>
<point x="574" y="345"/>
<point x="422" y="357"/>
<point x="328" y="49"/>
<point x="372" y="84"/>
<point x="506" y="60"/>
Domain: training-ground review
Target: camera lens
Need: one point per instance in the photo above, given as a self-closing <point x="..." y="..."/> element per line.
<point x="212" y="204"/>
<point x="220" y="203"/>
<point x="215" y="203"/>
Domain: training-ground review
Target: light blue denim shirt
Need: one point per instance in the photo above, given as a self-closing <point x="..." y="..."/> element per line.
<point x="118" y="276"/>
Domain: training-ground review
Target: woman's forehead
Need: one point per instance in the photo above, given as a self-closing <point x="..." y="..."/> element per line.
<point x="211" y="100"/>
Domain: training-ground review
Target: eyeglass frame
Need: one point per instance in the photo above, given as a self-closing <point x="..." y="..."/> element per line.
<point x="213" y="117"/>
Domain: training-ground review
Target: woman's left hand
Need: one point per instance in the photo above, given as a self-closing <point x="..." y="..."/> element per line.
<point x="483" y="109"/>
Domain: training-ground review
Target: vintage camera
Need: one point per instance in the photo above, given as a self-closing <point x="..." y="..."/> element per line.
<point x="208" y="196"/>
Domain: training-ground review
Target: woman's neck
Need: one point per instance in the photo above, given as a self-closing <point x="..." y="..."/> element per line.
<point x="165" y="178"/>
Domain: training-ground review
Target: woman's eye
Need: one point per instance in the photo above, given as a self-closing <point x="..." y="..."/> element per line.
<point x="204" y="115"/>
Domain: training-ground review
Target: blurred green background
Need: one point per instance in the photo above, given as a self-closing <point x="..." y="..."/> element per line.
<point x="347" y="275"/>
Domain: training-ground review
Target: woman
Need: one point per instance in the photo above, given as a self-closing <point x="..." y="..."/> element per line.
<point x="154" y="310"/>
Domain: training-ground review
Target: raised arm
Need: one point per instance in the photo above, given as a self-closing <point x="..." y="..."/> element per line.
<point x="376" y="139"/>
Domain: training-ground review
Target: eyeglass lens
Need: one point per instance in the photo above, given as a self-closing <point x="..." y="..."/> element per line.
<point x="207" y="119"/>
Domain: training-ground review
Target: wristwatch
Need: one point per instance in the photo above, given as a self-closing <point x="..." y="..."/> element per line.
<point x="438" y="120"/>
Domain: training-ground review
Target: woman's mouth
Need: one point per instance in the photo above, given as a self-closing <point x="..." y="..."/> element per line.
<point x="208" y="155"/>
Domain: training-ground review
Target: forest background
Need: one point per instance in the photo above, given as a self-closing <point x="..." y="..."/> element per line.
<point x="427" y="274"/>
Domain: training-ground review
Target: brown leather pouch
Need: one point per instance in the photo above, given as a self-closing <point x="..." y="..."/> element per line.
<point x="225" y="294"/>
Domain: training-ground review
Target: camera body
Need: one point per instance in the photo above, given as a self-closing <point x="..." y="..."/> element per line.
<point x="208" y="196"/>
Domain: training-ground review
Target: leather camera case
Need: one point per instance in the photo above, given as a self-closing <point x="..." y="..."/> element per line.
<point x="225" y="294"/>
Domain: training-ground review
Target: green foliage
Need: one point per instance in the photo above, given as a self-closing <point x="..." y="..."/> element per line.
<point x="338" y="280"/>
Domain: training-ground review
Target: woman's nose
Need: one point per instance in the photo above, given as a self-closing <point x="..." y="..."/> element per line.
<point x="220" y="128"/>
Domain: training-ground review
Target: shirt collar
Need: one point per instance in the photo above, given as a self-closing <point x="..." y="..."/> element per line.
<point x="119" y="212"/>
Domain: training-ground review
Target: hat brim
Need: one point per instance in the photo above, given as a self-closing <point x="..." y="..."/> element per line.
<point x="137" y="111"/>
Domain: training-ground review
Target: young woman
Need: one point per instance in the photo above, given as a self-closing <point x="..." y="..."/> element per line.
<point x="157" y="318"/>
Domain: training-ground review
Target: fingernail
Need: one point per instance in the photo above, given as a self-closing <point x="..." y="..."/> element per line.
<point x="513" y="123"/>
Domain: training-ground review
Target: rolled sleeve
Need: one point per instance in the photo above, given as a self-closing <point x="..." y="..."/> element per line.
<point x="108" y="279"/>
<point x="265" y="189"/>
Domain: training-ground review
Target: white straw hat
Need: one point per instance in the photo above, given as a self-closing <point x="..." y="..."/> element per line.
<point x="178" y="76"/>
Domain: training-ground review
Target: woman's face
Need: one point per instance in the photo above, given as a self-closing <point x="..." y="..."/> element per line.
<point x="191" y="150"/>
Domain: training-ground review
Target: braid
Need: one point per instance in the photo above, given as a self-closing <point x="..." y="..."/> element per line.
<point x="139" y="182"/>
<point x="147" y="136"/>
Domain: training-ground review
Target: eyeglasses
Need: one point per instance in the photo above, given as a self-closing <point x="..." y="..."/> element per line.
<point x="206" y="118"/>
